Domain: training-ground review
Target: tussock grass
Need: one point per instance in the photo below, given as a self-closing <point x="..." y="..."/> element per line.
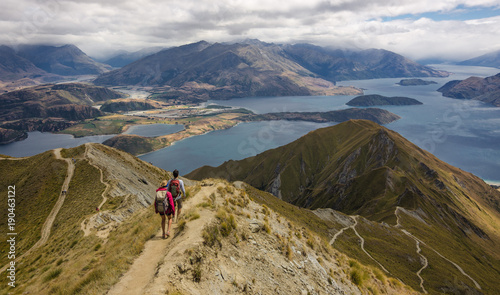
<point x="192" y="214"/>
<point x="52" y="275"/>
<point x="224" y="225"/>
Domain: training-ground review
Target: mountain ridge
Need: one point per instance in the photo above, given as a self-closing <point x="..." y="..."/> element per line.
<point x="361" y="168"/>
<point x="491" y="59"/>
<point x="66" y="60"/>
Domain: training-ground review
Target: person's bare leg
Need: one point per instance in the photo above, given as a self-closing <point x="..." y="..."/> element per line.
<point x="169" y="225"/>
<point x="163" y="225"/>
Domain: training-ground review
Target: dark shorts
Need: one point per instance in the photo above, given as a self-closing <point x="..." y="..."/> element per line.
<point x="178" y="204"/>
<point x="167" y="213"/>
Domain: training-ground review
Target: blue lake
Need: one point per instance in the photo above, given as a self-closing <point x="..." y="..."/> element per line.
<point x="463" y="133"/>
<point x="236" y="143"/>
<point x="38" y="142"/>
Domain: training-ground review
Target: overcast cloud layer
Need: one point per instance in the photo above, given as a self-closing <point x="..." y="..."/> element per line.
<point x="451" y="29"/>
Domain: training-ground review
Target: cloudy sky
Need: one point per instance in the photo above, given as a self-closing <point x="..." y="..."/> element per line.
<point x="418" y="29"/>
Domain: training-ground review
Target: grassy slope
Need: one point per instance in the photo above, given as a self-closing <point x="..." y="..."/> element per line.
<point x="463" y="222"/>
<point x="37" y="189"/>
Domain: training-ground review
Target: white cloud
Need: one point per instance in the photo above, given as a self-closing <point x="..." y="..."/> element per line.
<point x="100" y="27"/>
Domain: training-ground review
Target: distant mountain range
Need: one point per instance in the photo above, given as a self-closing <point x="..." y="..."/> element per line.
<point x="124" y="58"/>
<point x="221" y="71"/>
<point x="46" y="63"/>
<point x="483" y="89"/>
<point x="491" y="59"/>
<point x="363" y="169"/>
<point x="15" y="67"/>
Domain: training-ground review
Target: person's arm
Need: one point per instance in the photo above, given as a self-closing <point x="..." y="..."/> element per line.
<point x="182" y="188"/>
<point x="154" y="205"/>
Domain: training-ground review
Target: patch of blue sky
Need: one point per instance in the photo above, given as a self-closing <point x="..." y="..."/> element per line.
<point x="460" y="13"/>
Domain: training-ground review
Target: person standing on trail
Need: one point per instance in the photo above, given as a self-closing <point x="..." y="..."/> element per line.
<point x="164" y="205"/>
<point x="176" y="186"/>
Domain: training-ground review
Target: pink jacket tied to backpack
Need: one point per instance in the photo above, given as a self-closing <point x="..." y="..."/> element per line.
<point x="168" y="200"/>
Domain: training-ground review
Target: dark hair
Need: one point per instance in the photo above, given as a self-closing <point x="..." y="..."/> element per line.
<point x="176" y="173"/>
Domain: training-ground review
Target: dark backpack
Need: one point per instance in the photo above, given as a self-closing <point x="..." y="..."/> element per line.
<point x="161" y="202"/>
<point x="174" y="188"/>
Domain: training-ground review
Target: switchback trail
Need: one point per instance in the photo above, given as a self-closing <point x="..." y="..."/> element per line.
<point x="47" y="226"/>
<point x="362" y="241"/>
<point x="355" y="218"/>
<point x="143" y="269"/>
<point x="418" y="241"/>
<point x="424" y="259"/>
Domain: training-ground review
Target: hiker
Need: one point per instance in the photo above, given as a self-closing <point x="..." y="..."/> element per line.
<point x="176" y="186"/>
<point x="164" y="205"/>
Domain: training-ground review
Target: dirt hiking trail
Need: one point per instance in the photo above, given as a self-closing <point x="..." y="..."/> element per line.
<point x="144" y="268"/>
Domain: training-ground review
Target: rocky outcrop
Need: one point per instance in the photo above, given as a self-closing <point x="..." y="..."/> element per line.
<point x="483" y="89"/>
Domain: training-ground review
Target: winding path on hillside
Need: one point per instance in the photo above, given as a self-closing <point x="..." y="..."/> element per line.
<point x="355" y="218"/>
<point x="425" y="264"/>
<point x="362" y="240"/>
<point x="47" y="226"/>
<point x="338" y="234"/>
<point x="86" y="225"/>
<point x="104" y="198"/>
<point x="422" y="257"/>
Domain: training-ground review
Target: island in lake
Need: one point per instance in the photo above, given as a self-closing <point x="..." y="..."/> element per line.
<point x="379" y="100"/>
<point x="415" y="82"/>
